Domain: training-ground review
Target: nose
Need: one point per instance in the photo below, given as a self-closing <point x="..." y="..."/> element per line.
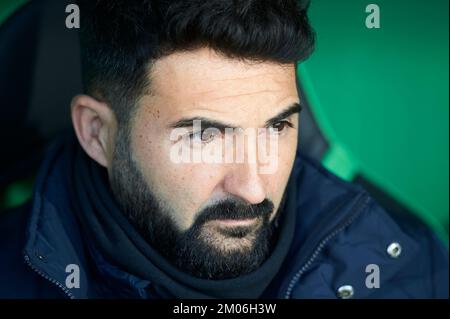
<point x="244" y="181"/>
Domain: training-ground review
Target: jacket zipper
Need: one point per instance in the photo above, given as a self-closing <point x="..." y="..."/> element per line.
<point x="53" y="281"/>
<point x="357" y="210"/>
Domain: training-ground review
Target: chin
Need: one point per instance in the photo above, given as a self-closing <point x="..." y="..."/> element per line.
<point x="230" y="240"/>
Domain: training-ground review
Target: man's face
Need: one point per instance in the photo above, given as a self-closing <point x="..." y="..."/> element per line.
<point x="216" y="213"/>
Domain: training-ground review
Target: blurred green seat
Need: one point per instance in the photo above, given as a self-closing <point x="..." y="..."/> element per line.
<point x="380" y="97"/>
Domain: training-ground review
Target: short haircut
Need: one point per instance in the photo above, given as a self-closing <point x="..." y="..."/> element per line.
<point x="120" y="39"/>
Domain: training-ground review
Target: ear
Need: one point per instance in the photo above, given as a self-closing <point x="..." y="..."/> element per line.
<point x="95" y="126"/>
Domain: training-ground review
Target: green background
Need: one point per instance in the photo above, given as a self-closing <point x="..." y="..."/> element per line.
<point x="380" y="97"/>
<point x="7" y="7"/>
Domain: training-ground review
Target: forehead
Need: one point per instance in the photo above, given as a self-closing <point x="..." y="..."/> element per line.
<point x="208" y="81"/>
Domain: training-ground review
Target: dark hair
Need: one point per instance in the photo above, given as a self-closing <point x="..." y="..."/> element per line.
<point x="121" y="38"/>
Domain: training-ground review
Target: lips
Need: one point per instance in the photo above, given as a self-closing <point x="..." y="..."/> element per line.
<point x="236" y="222"/>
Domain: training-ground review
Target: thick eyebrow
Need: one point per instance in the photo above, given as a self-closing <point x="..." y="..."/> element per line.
<point x="209" y="123"/>
<point x="290" y="110"/>
<point x="206" y="123"/>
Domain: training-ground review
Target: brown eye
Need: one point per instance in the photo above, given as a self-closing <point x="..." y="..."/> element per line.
<point x="203" y="136"/>
<point x="281" y="126"/>
<point x="207" y="137"/>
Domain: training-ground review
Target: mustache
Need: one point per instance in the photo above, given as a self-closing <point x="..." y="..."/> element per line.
<point x="235" y="209"/>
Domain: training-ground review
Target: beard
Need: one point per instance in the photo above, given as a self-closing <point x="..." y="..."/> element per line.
<point x="208" y="249"/>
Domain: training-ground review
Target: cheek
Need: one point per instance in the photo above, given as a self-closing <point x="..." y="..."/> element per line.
<point x="286" y="155"/>
<point x="182" y="187"/>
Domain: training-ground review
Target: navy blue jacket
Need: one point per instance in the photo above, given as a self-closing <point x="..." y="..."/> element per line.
<point x="344" y="241"/>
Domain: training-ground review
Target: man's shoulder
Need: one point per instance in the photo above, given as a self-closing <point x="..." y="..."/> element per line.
<point x="317" y="182"/>
<point x="17" y="279"/>
<point x="412" y="260"/>
<point x="13" y="224"/>
<point x="13" y="271"/>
